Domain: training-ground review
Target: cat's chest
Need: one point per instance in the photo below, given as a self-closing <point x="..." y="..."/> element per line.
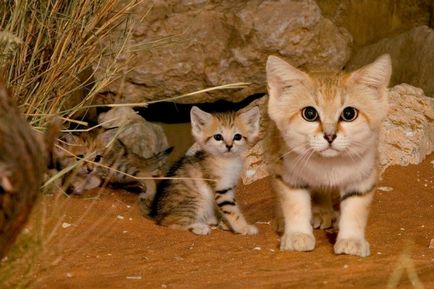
<point x="227" y="171"/>
<point x="323" y="172"/>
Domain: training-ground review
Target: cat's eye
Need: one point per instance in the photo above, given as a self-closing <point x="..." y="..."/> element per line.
<point x="218" y="137"/>
<point x="98" y="158"/>
<point x="349" y="114"/>
<point x="237" y="136"/>
<point x="309" y="113"/>
<point x="80" y="156"/>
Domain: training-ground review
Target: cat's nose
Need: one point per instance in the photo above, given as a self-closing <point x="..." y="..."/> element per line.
<point x="229" y="147"/>
<point x="330" y="137"/>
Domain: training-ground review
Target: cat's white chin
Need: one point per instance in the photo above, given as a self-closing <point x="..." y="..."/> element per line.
<point x="329" y="153"/>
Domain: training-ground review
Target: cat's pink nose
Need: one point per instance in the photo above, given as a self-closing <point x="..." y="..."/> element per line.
<point x="229" y="147"/>
<point x="330" y="137"/>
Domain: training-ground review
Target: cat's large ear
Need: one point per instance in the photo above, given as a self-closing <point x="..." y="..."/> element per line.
<point x="199" y="119"/>
<point x="375" y="75"/>
<point x="251" y="119"/>
<point x="282" y="75"/>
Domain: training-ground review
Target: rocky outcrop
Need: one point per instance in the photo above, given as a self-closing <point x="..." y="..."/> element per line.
<point x="369" y="21"/>
<point x="184" y="46"/>
<point x="412" y="57"/>
<point x="408" y="133"/>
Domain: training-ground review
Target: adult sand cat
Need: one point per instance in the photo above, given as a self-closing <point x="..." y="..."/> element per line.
<point x="202" y="186"/>
<point x="323" y="137"/>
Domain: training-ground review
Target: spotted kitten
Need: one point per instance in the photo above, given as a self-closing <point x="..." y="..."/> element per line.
<point x="202" y="187"/>
<point x="323" y="139"/>
<point x="128" y="148"/>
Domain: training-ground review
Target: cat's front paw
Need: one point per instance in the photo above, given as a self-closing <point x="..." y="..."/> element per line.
<point x="297" y="242"/>
<point x="248" y="230"/>
<point x="356" y="247"/>
<point x="200" y="229"/>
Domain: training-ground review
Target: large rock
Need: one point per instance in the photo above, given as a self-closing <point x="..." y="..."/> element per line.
<point x="412" y="55"/>
<point x="371" y="20"/>
<point x="198" y="44"/>
<point x="408" y="133"/>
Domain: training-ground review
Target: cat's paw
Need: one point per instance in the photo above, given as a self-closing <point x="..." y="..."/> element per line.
<point x="323" y="219"/>
<point x="248" y="230"/>
<point x="297" y="242"/>
<point x="200" y="229"/>
<point x="356" y="247"/>
<point x="222" y="226"/>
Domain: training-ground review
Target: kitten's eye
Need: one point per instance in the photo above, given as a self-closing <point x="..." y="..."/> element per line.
<point x="80" y="156"/>
<point x="98" y="158"/>
<point x="309" y="113"/>
<point x="349" y="114"/>
<point x="237" y="136"/>
<point x="218" y="137"/>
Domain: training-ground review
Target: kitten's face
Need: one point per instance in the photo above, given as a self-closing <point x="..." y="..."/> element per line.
<point x="225" y="134"/>
<point x="328" y="114"/>
<point x="83" y="176"/>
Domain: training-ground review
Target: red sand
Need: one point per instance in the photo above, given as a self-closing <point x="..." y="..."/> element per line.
<point x="111" y="246"/>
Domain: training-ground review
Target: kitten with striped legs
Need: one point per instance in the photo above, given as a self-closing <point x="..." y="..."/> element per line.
<point x="201" y="189"/>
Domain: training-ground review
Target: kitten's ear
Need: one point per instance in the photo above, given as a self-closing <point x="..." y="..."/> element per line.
<point x="281" y="75"/>
<point x="199" y="119"/>
<point x="251" y="119"/>
<point x="376" y="74"/>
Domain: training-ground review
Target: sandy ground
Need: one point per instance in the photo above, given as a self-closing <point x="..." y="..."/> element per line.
<point x="109" y="245"/>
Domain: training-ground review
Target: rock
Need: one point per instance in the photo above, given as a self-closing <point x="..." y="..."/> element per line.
<point x="185" y="46"/>
<point x="369" y="21"/>
<point x="408" y="133"/>
<point x="412" y="57"/>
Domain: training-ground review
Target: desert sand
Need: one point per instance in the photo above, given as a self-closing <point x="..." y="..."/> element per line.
<point x="101" y="241"/>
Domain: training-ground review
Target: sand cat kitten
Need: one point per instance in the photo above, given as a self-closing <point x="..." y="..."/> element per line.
<point x="131" y="147"/>
<point x="203" y="185"/>
<point x="323" y="138"/>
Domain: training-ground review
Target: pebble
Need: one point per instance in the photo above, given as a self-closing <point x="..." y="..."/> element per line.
<point x="66" y="225"/>
<point x="134" y="277"/>
<point x="346" y="266"/>
<point x="385" y="189"/>
<point x="69" y="275"/>
<point x="257" y="248"/>
<point x="431" y="244"/>
<point x="120" y="217"/>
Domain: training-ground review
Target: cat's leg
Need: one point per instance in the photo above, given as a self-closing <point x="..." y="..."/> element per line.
<point x="147" y="196"/>
<point x="231" y="213"/>
<point x="323" y="214"/>
<point x="354" y="210"/>
<point x="296" y="210"/>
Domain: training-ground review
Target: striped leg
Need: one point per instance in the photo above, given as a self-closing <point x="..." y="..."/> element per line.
<point x="296" y="210"/>
<point x="231" y="213"/>
<point x="354" y="216"/>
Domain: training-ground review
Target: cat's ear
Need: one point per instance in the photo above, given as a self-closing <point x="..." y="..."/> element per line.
<point x="251" y="119"/>
<point x="282" y="75"/>
<point x="199" y="119"/>
<point x="375" y="75"/>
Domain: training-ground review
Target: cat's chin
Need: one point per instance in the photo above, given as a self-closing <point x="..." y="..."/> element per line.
<point x="329" y="153"/>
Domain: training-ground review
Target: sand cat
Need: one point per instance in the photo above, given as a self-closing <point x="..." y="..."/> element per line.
<point x="202" y="188"/>
<point x="323" y="138"/>
<point x="126" y="147"/>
